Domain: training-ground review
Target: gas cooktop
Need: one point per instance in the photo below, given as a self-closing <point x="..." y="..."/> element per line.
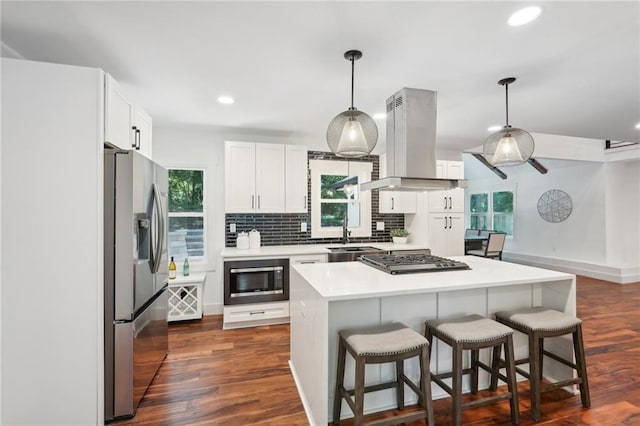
<point x="406" y="263"/>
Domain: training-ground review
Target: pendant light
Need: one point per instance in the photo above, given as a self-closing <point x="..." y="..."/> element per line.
<point x="352" y="133"/>
<point x="509" y="146"/>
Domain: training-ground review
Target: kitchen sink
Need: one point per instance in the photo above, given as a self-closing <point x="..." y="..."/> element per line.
<point x="350" y="253"/>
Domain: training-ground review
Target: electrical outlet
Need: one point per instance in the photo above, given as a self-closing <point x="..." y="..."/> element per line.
<point x="379" y="226"/>
<point x="232" y="227"/>
<point x="303" y="227"/>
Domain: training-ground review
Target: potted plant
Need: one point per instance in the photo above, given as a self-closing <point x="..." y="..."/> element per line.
<point x="399" y="236"/>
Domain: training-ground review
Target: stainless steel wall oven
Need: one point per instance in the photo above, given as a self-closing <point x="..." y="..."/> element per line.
<point x="256" y="281"/>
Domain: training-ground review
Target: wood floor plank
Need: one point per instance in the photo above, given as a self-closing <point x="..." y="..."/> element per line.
<point x="241" y="377"/>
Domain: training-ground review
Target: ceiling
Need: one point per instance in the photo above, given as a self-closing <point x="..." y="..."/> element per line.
<point x="578" y="65"/>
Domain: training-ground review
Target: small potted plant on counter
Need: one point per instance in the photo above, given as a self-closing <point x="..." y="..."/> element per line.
<point x="399" y="236"/>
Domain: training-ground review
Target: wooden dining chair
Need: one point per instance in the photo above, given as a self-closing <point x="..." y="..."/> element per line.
<point x="493" y="249"/>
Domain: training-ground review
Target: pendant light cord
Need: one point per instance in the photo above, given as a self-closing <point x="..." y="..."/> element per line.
<point x="506" y="97"/>
<point x="352" y="74"/>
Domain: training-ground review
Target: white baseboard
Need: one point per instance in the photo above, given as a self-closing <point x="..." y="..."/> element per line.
<point x="615" y="274"/>
<point x="213" y="309"/>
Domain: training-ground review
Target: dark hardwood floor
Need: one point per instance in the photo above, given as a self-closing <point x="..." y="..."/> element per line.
<point x="241" y="377"/>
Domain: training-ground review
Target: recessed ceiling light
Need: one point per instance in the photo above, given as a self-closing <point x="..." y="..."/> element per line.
<point x="227" y="100"/>
<point x="494" y="128"/>
<point x="638" y="126"/>
<point x="379" y="115"/>
<point x="524" y="16"/>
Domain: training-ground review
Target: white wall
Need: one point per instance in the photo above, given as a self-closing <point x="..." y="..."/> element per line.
<point x="600" y="238"/>
<point x="201" y="147"/>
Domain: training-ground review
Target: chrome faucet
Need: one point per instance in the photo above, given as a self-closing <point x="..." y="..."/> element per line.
<point x="345" y="232"/>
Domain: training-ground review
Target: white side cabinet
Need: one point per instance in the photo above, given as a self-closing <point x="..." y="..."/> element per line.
<point x="185" y="297"/>
<point x="296" y="179"/>
<point x="254" y="177"/>
<point x="451" y="200"/>
<point x="446" y="234"/>
<point x="395" y="201"/>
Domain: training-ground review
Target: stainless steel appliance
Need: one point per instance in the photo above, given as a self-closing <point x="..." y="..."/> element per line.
<point x="135" y="277"/>
<point x="256" y="281"/>
<point x="411" y="145"/>
<point x="416" y="262"/>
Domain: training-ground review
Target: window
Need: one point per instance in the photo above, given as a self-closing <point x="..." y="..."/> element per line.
<point x="335" y="194"/>
<point x="492" y="210"/>
<point x="186" y="214"/>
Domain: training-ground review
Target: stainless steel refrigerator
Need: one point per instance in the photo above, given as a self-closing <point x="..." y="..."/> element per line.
<point x="135" y="278"/>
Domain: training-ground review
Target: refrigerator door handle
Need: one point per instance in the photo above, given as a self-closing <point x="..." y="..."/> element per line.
<point x="159" y="239"/>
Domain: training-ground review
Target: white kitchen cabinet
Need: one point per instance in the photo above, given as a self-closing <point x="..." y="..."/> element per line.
<point x="127" y="125"/>
<point x="395" y="201"/>
<point x="446" y="234"/>
<point x="143" y="131"/>
<point x="119" y="111"/>
<point x="254" y="177"/>
<point x="296" y="179"/>
<point x="53" y="119"/>
<point x="451" y="200"/>
<point x="270" y="173"/>
<point x="255" y="314"/>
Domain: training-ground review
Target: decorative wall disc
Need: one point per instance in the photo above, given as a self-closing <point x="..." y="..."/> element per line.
<point x="555" y="206"/>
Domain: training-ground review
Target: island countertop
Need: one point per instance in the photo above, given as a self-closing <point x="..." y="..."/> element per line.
<point x="355" y="280"/>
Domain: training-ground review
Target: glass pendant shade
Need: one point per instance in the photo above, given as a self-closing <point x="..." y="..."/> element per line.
<point x="352" y="134"/>
<point x="508" y="147"/>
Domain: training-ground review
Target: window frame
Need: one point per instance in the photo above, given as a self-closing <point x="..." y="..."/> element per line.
<point x="199" y="260"/>
<point x="361" y="169"/>
<point x="490" y="213"/>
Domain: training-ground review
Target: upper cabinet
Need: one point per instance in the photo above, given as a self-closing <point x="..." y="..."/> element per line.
<point x="296" y="179"/>
<point x="254" y="177"/>
<point x="127" y="125"/>
<point x="395" y="201"/>
<point x="451" y="200"/>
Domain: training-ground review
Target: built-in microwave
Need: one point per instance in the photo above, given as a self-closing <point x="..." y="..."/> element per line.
<point x="256" y="281"/>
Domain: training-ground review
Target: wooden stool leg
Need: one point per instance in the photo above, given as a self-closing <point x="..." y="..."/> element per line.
<point x="337" y="401"/>
<point x="359" y="392"/>
<point x="426" y="400"/>
<point x="457" y="384"/>
<point x="578" y="347"/>
<point x="475" y="355"/>
<point x="400" y="384"/>
<point x="535" y="364"/>
<point x="541" y="356"/>
<point x="511" y="383"/>
<point x="495" y="367"/>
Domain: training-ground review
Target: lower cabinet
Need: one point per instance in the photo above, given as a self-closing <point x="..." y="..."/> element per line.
<point x="254" y="314"/>
<point x="446" y="234"/>
<point x="185" y="298"/>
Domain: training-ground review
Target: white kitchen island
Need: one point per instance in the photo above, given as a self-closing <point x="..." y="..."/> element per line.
<point x="331" y="296"/>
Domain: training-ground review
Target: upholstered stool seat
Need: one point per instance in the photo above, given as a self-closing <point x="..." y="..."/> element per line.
<point x="539" y="323"/>
<point x="474" y="332"/>
<point x="393" y="342"/>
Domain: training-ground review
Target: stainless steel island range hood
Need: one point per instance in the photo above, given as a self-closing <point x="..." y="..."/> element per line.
<point x="411" y="145"/>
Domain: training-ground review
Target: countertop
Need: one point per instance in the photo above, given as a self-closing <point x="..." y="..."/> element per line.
<point x="303" y="249"/>
<point x="355" y="280"/>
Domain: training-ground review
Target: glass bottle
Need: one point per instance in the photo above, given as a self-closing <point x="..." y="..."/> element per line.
<point x="185" y="267"/>
<point x="172" y="269"/>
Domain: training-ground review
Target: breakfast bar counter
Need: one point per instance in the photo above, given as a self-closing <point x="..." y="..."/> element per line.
<point x="327" y="297"/>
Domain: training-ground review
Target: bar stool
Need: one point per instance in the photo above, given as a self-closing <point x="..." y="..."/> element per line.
<point x="474" y="332"/>
<point x="539" y="323"/>
<point x="393" y="342"/>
